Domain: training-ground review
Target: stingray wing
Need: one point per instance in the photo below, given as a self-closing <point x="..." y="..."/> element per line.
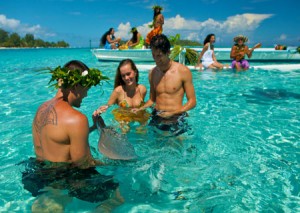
<point x="115" y="146"/>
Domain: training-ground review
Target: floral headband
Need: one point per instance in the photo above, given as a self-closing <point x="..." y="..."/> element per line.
<point x="157" y="7"/>
<point x="67" y="78"/>
<point x="133" y="30"/>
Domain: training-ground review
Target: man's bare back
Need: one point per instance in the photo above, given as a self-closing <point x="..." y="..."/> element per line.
<point x="52" y="130"/>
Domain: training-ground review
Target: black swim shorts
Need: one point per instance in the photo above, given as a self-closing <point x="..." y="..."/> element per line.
<point x="84" y="184"/>
<point x="176" y="125"/>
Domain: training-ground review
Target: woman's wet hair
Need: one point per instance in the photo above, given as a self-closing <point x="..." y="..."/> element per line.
<point x="118" y="79"/>
<point x="160" y="42"/>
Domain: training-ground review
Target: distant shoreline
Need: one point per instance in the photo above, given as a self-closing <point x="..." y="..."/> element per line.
<point x="17" y="48"/>
<point x="32" y="47"/>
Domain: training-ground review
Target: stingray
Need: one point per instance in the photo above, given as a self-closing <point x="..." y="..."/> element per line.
<point x="274" y="94"/>
<point x="113" y="144"/>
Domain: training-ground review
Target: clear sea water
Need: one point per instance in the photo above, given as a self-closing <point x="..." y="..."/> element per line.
<point x="241" y="155"/>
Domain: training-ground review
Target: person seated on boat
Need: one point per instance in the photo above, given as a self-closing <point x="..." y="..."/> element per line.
<point x="238" y="52"/>
<point x="207" y="54"/>
<point x="158" y="21"/>
<point x="280" y="47"/>
<point x="109" y="41"/>
<point x="127" y="94"/>
<point x="137" y="40"/>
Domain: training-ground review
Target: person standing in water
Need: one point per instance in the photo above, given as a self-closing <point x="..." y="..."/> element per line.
<point x="128" y="94"/>
<point x="170" y="82"/>
<point x="60" y="138"/>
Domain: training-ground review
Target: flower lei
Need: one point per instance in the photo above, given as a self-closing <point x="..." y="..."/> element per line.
<point x="68" y="78"/>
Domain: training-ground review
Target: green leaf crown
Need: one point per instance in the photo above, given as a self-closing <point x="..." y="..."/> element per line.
<point x="67" y="78"/>
<point x="157" y="6"/>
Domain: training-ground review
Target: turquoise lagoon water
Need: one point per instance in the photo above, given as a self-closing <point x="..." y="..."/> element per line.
<point x="241" y="155"/>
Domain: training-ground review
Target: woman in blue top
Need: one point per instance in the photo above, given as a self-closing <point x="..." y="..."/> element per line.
<point x="109" y="41"/>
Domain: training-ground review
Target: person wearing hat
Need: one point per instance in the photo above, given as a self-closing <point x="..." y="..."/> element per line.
<point x="158" y="21"/>
<point x="136" y="41"/>
<point x="238" y="52"/>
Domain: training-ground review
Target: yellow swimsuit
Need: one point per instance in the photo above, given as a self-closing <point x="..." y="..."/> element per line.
<point x="124" y="113"/>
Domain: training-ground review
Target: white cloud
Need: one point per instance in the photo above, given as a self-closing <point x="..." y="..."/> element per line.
<point x="193" y="36"/>
<point x="123" y="30"/>
<point x="282" y="37"/>
<point x="14" y="25"/>
<point x="196" y="30"/>
<point x="244" y="22"/>
<point x="8" y="23"/>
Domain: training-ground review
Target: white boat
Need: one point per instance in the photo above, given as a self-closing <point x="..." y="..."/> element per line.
<point x="137" y="55"/>
<point x="222" y="54"/>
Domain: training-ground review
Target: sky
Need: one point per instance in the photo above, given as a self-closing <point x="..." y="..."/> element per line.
<point x="81" y="23"/>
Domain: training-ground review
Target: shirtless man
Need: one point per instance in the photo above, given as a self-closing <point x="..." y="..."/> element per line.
<point x="60" y="138"/>
<point x="169" y="82"/>
<point x="60" y="132"/>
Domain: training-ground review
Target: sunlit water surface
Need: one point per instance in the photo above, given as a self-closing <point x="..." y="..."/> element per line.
<point x="241" y="154"/>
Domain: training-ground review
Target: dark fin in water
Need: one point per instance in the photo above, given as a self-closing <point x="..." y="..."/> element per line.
<point x="100" y="122"/>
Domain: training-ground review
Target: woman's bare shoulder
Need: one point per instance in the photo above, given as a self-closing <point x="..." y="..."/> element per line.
<point x="118" y="89"/>
<point x="142" y="87"/>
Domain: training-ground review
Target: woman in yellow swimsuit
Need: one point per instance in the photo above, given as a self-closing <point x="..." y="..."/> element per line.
<point x="127" y="94"/>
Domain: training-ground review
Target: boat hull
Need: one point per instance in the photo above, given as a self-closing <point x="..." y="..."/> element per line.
<point x="222" y="54"/>
<point x="142" y="55"/>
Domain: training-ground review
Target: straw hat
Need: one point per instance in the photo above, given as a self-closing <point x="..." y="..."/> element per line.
<point x="238" y="37"/>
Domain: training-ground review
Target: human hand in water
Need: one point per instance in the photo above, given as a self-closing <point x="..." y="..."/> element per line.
<point x="165" y="114"/>
<point x="135" y="110"/>
<point x="100" y="110"/>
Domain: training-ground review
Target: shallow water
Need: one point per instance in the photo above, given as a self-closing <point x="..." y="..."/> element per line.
<point x="241" y="155"/>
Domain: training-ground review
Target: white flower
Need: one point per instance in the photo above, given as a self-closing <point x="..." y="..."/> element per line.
<point x="84" y="73"/>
